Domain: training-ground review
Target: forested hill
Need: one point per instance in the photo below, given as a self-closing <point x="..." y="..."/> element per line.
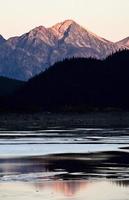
<point x="9" y="86"/>
<point x="79" y="83"/>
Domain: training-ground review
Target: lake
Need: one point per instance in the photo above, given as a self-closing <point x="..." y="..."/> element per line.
<point x="64" y="156"/>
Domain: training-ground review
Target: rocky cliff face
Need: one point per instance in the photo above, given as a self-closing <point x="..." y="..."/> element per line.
<point x="25" y="56"/>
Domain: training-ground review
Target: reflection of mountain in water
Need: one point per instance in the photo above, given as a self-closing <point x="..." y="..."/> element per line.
<point x="66" y="188"/>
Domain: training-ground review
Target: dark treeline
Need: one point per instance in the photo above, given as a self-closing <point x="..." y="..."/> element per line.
<point x="9" y="86"/>
<point x="78" y="83"/>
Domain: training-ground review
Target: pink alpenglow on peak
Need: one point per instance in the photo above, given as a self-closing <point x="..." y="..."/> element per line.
<point x="124" y="42"/>
<point x="41" y="47"/>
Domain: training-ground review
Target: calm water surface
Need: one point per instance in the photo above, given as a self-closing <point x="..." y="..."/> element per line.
<point x="50" y="156"/>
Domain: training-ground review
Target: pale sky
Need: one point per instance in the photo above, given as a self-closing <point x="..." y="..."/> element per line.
<point x="106" y="18"/>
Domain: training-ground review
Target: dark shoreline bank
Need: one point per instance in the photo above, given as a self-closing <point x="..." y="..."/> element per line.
<point x="41" y="121"/>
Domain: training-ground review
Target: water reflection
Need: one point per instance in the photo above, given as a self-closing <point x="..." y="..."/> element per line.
<point x="90" y="190"/>
<point x="96" y="176"/>
<point x="110" y="165"/>
<point x="59" y="190"/>
<point x="65" y="188"/>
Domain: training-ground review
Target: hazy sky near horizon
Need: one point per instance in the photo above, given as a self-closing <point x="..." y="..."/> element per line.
<point x="106" y="18"/>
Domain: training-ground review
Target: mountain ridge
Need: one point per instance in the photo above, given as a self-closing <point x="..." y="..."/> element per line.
<point x="124" y="42"/>
<point x="2" y="39"/>
<point x="27" y="55"/>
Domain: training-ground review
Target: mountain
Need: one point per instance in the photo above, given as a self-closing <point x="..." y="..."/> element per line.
<point x="78" y="83"/>
<point x="124" y="42"/>
<point x="2" y="40"/>
<point x="27" y="55"/>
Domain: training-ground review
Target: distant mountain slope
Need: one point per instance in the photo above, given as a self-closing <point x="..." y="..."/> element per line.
<point x="2" y="40"/>
<point x="9" y="86"/>
<point x="25" y="56"/>
<point x="124" y="42"/>
<point x="79" y="83"/>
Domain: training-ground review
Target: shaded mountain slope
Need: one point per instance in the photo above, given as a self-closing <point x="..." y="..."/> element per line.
<point x="2" y="40"/>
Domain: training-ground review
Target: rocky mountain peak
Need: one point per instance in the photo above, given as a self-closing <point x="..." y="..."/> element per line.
<point x="41" y="47"/>
<point x="37" y="32"/>
<point x="40" y="34"/>
<point x="63" y="25"/>
<point x="61" y="28"/>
